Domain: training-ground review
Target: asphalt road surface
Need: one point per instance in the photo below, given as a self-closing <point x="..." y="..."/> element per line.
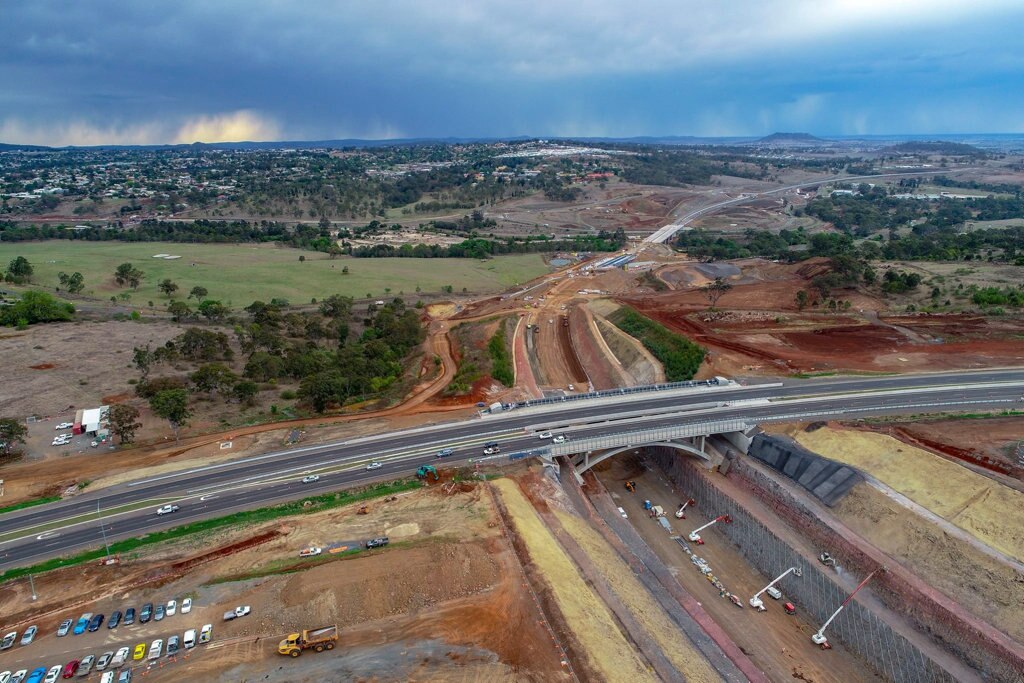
<point x="129" y="509"/>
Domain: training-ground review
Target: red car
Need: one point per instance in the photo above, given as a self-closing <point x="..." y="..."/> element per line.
<point x="70" y="668"/>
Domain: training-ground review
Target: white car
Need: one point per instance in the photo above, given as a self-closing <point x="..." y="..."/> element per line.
<point x="309" y="479"/>
<point x="186" y="605"/>
<point x="156" y="649"/>
<point x="311" y="551"/>
<point x="560" y="438"/>
<point x="172" y="607"/>
<point x="108" y="677"/>
<point x="53" y="674"/>
<point x="374" y="465"/>
<point x="242" y="610"/>
<point x="104" y="661"/>
<point x="64" y="425"/>
<point x="167" y="509"/>
<point x="190" y="639"/>
<point x="5" y="676"/>
<point x="206" y="634"/>
<point x="544" y="435"/>
<point x="121" y="657"/>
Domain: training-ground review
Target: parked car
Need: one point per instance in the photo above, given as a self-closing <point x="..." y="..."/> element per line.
<point x="86" y="665"/>
<point x="186" y="605"/>
<point x="5" y="676"/>
<point x="108" y="677"/>
<point x="95" y="623"/>
<point x="172" y="607"/>
<point x="115" y="619"/>
<point x="125" y="677"/>
<point x="139" y="652"/>
<point x="104" y="660"/>
<point x="309" y="479"/>
<point x="377" y="542"/>
<point x="445" y="452"/>
<point x="29" y="635"/>
<point x="167" y="509"/>
<point x="239" y="611"/>
<point x="190" y="639"/>
<point x="120" y="657"/>
<point x="64" y="627"/>
<point x="19" y="676"/>
<point x="64" y="425"/>
<point x="70" y="669"/>
<point x="8" y="640"/>
<point x="147" y="613"/>
<point x="37" y="675"/>
<point x="129" y="616"/>
<point x="156" y="649"/>
<point x="53" y="674"/>
<point x="311" y="551"/>
<point x="374" y="465"/>
<point x="206" y="633"/>
<point x="172" y="645"/>
<point x="158" y="613"/>
<point x="83" y="623"/>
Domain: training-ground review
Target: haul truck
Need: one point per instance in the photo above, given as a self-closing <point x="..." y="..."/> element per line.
<point x="319" y="639"/>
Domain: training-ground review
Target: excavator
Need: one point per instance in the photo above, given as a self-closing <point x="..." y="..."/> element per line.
<point x="425" y="470"/>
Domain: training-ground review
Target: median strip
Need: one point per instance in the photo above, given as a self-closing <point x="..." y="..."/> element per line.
<point x="303" y="506"/>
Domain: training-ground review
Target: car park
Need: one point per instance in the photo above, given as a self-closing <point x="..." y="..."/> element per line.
<point x="172" y="645"/>
<point x="374" y="465"/>
<point x="83" y="623"/>
<point x="29" y="635"/>
<point x="309" y="479"/>
<point x="115" y="619"/>
<point x="104" y="661"/>
<point x="129" y="616"/>
<point x="147" y="613"/>
<point x="167" y="509"/>
<point x="64" y="627"/>
<point x="377" y="542"/>
<point x="121" y="657"/>
<point x="186" y="605"/>
<point x="37" y="675"/>
<point x="206" y="633"/>
<point x="172" y="607"/>
<point x="139" y="652"/>
<point x="125" y="677"/>
<point x="8" y="640"/>
<point x="69" y="669"/>
<point x="95" y="623"/>
<point x="445" y="452"/>
<point x="190" y="639"/>
<point x="158" y="613"/>
<point x="85" y="666"/>
<point x="156" y="649"/>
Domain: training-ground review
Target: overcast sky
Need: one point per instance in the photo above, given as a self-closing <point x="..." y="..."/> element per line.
<point x="109" y="71"/>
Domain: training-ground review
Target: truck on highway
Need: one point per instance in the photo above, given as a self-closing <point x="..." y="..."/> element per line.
<point x="318" y="639"/>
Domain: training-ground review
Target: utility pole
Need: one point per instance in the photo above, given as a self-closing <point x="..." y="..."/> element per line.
<point x="103" y="529"/>
<point x="32" y="583"/>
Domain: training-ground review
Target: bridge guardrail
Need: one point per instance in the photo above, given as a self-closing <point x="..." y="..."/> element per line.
<point x="618" y="392"/>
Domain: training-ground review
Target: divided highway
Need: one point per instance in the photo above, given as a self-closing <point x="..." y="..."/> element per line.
<point x="127" y="510"/>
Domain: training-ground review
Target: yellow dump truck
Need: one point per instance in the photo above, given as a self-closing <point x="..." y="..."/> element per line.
<point x="319" y="639"/>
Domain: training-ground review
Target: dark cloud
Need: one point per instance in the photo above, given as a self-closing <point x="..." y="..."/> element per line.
<point x="161" y="71"/>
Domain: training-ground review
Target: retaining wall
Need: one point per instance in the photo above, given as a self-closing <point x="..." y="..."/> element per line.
<point x="887" y="652"/>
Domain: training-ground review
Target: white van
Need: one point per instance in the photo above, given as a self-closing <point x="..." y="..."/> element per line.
<point x="774" y="592"/>
<point x="190" y="639"/>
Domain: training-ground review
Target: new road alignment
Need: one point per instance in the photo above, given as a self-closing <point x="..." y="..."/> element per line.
<point x="60" y="528"/>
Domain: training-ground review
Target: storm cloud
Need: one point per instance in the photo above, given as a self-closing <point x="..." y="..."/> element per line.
<point x="190" y="70"/>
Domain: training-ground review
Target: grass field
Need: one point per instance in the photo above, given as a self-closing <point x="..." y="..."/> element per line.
<point x="239" y="274"/>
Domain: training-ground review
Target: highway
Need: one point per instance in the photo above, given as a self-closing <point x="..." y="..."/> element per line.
<point x="128" y="509"/>
<point x="665" y="233"/>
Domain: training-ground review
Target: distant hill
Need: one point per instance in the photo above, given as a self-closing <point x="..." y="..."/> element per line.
<point x="23" y="148"/>
<point x="938" y="147"/>
<point x="790" y="139"/>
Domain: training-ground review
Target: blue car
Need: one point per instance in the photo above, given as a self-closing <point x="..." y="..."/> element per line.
<point x="36" y="675"/>
<point x="83" y="623"/>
